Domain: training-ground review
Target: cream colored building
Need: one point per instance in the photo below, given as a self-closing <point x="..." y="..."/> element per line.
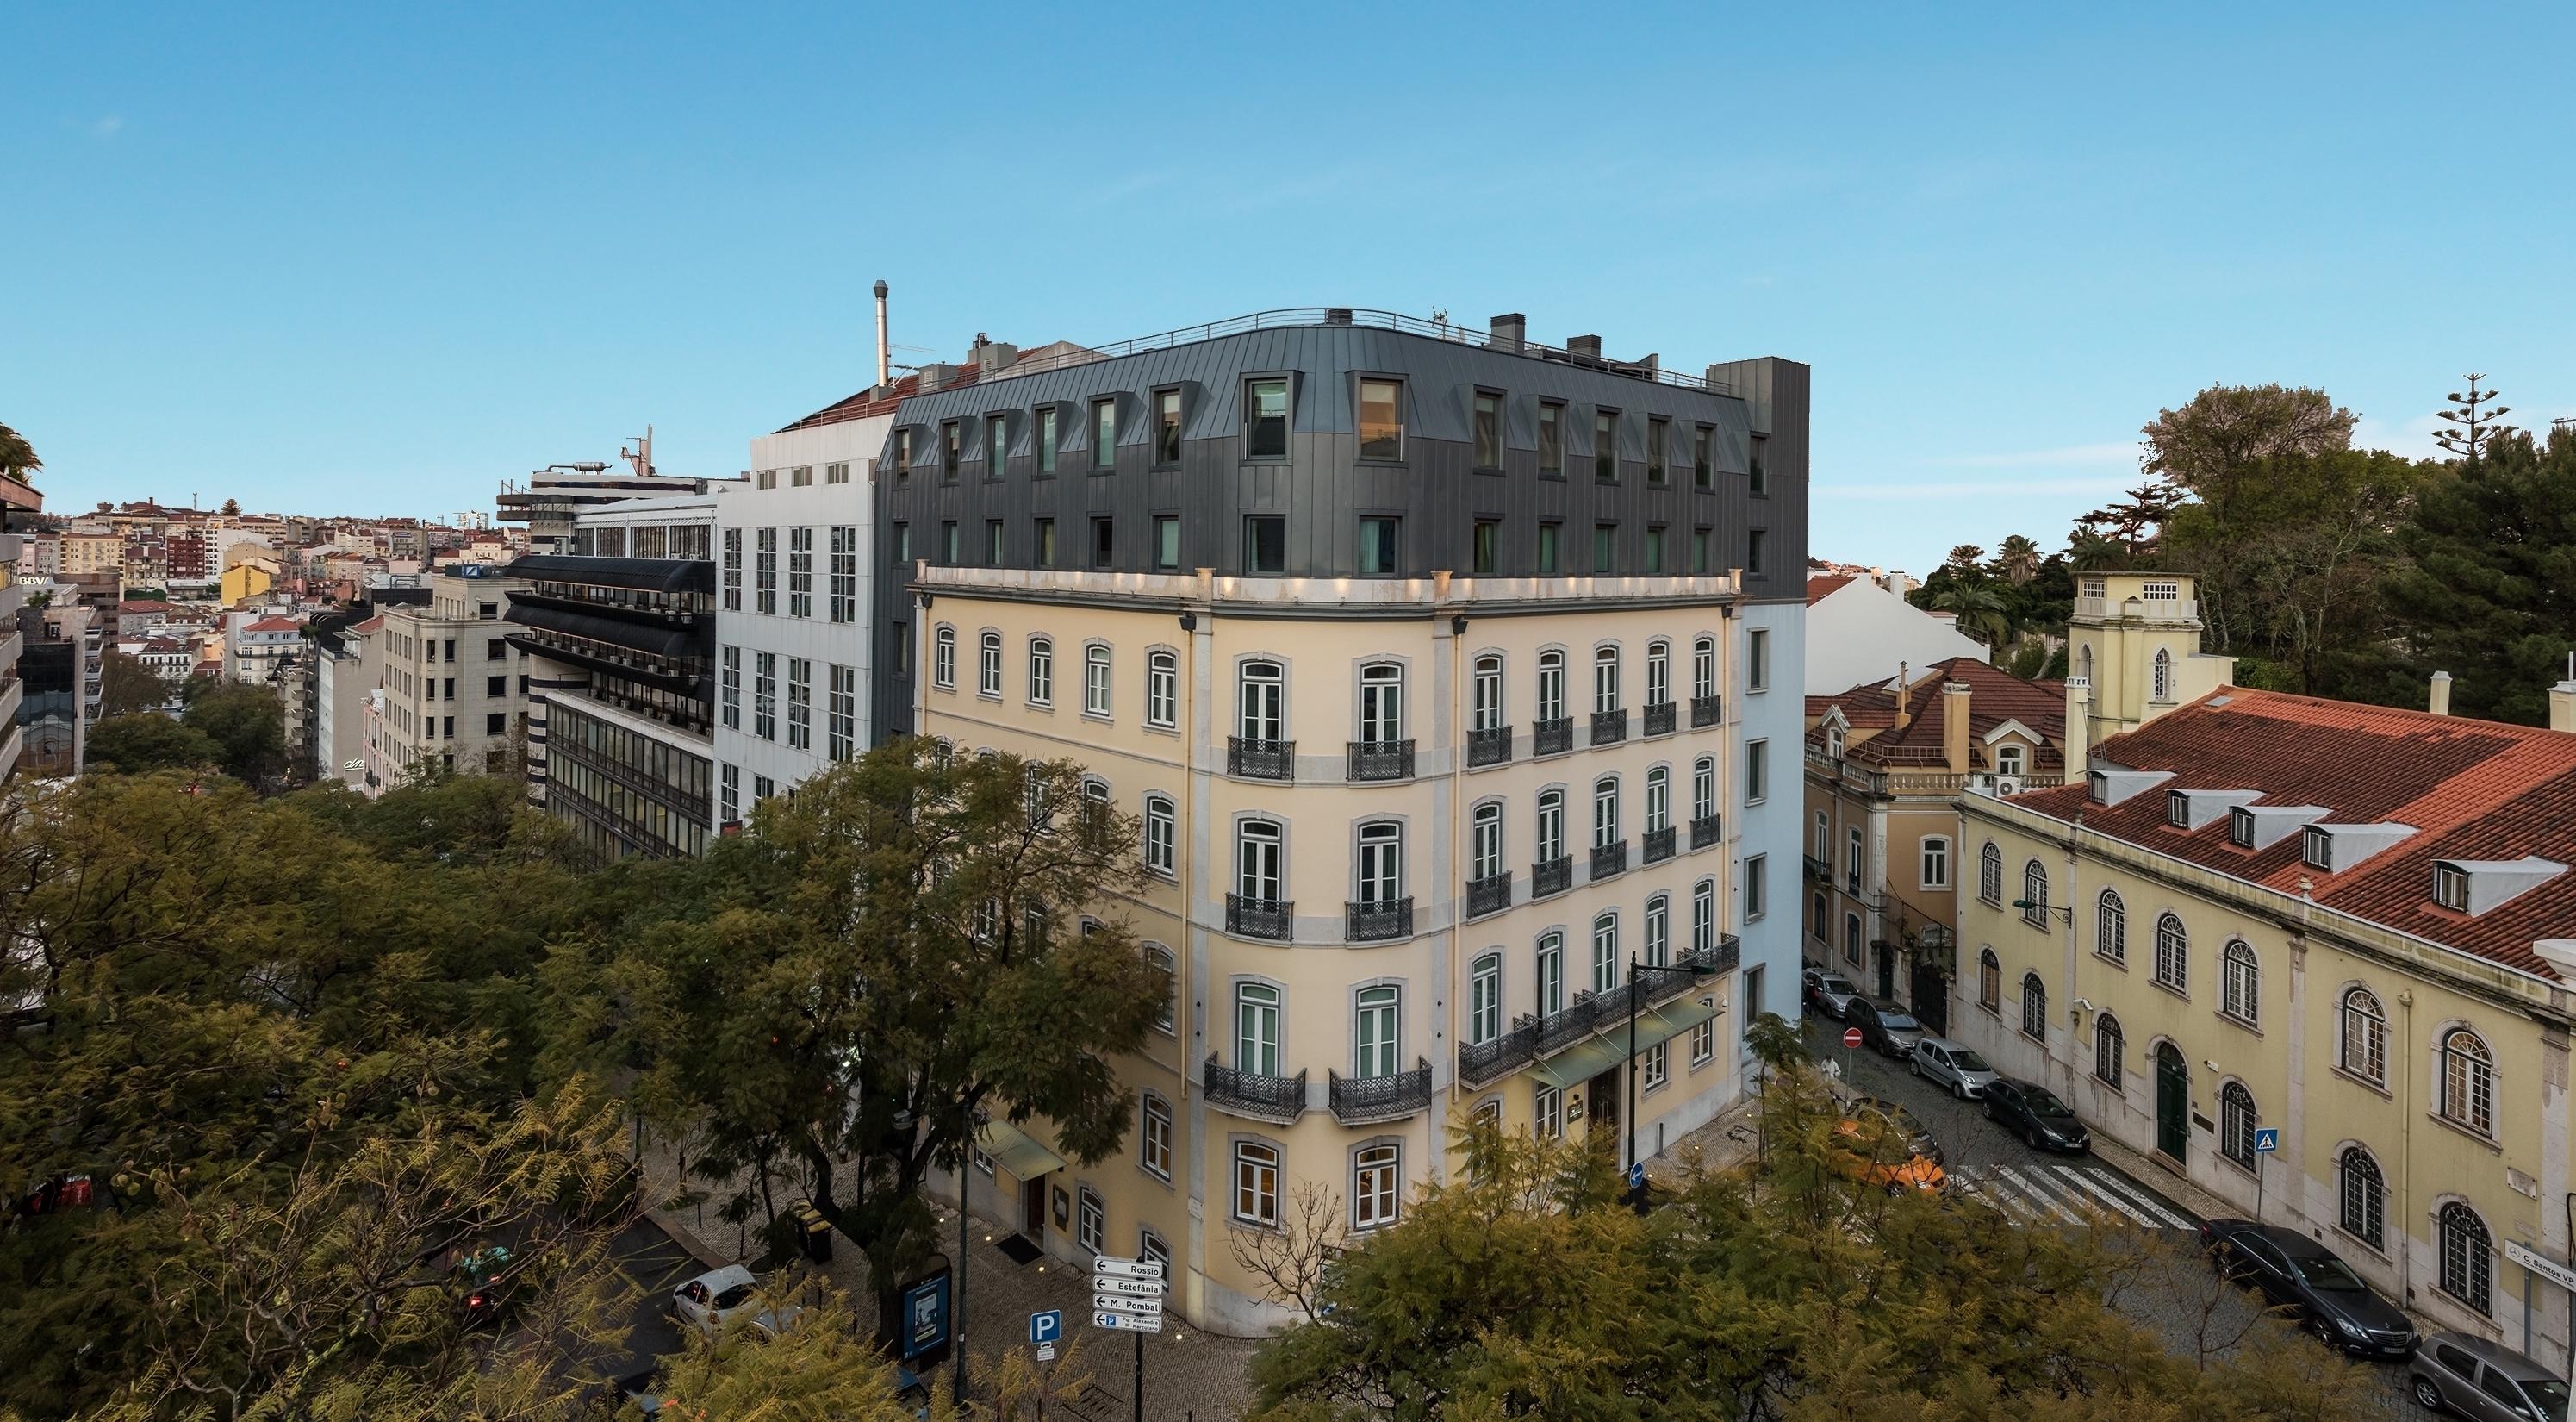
<point x="2350" y="925"/>
<point x="453" y="685"/>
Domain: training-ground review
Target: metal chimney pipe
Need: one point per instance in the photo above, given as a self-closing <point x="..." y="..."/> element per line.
<point x="885" y="353"/>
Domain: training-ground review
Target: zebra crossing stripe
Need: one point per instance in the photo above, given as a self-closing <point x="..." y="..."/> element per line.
<point x="2094" y="1188"/>
<point x="2042" y="1197"/>
<point x="2145" y="1201"/>
<point x="2003" y="1200"/>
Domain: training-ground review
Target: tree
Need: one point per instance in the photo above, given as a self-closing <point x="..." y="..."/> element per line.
<point x="17" y="457"/>
<point x="900" y="949"/>
<point x="138" y="743"/>
<point x="2472" y="424"/>
<point x="231" y="507"/>
<point x="2491" y="594"/>
<point x="1964" y="559"/>
<point x="2019" y="560"/>
<point x="248" y="723"/>
<point x="2091" y="551"/>
<point x="1977" y="610"/>
<point x="126" y="685"/>
<point x="2210" y="445"/>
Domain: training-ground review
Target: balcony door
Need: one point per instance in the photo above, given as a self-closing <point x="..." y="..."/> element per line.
<point x="1381" y="864"/>
<point x="1260" y="863"/>
<point x="1256" y="1029"/>
<point x="1264" y="702"/>
<point x="1374" y="1032"/>
<point x="1381" y="705"/>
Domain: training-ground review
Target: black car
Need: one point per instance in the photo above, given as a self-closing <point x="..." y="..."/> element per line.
<point x="2034" y="1113"/>
<point x="2307" y="1280"/>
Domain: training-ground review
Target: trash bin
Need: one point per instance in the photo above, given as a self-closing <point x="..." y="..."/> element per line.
<point x="814" y="1233"/>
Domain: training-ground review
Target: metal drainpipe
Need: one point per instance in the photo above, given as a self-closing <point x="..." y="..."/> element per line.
<point x="2406" y="1140"/>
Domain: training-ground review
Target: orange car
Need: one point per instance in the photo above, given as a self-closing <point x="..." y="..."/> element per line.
<point x="1874" y="1154"/>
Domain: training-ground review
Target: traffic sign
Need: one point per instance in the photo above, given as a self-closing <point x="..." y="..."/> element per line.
<point x="1851" y="1036"/>
<point x="1637" y="1175"/>
<point x="2267" y="1139"/>
<point x="1118" y="1268"/>
<point x="1113" y="1303"/>
<point x="1134" y="1323"/>
<point x="1046" y="1326"/>
<point x="1132" y="1288"/>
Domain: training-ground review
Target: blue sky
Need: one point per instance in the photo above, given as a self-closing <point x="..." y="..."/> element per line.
<point x="333" y="261"/>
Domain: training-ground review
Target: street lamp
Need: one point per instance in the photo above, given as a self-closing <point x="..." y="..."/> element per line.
<point x="2026" y="905"/>
<point x="1635" y="968"/>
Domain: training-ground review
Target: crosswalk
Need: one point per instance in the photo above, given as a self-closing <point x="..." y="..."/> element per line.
<point x="2062" y="1195"/>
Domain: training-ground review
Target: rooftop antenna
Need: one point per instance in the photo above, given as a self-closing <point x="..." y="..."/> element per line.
<point x="885" y="353"/>
<point x="641" y="456"/>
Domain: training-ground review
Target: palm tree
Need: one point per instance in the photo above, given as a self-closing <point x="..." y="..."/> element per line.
<point x="1976" y="611"/>
<point x="17" y="457"/>
<point x="2019" y="560"/>
<point x="2091" y="549"/>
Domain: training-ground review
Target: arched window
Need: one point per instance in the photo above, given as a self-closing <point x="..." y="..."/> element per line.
<point x="1990" y="873"/>
<point x="1379" y="881"/>
<point x="1487" y="714"/>
<point x="1162" y="825"/>
<point x="1659" y="930"/>
<point x="1605" y="679"/>
<point x="1704" y="918"/>
<point x="1485" y="843"/>
<point x="2084" y="662"/>
<point x="2034" y="894"/>
<point x="988" y="665"/>
<point x="1823" y="920"/>
<point x="2173" y="953"/>
<point x="1990" y="981"/>
<point x="1551" y="826"/>
<point x="1095" y="802"/>
<point x="1703" y="677"/>
<point x="2236" y="1119"/>
<point x="2364" y="1050"/>
<point x="2108" y="1044"/>
<point x="1551" y="685"/>
<point x="1381" y="704"/>
<point x="1485" y="999"/>
<point x="1095" y="680"/>
<point x="2164" y="676"/>
<point x="943" y="658"/>
<point x="1261" y="861"/>
<point x="2468" y="1081"/>
<point x="2111" y="927"/>
<point x="1605" y="812"/>
<point x="2034" y="1007"/>
<point x="1659" y="673"/>
<point x="1659" y="798"/>
<point x="1703" y="802"/>
<point x="1162" y="689"/>
<point x="2363" y="1196"/>
<point x="1041" y="672"/>
<point x="1605" y="952"/>
<point x="1262" y="694"/>
<point x="1256" y="1029"/>
<point x="2468" y="1257"/>
<point x="1551" y="974"/>
<point x="2240" y="982"/>
<point x="1376" y="1032"/>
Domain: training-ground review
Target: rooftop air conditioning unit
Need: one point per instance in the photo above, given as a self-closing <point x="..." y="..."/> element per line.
<point x="2007" y="785"/>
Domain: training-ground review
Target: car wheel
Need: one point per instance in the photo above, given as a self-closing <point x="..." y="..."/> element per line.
<point x="1959" y="1089"/>
<point x="1988" y="1105"/>
<point x="1915" y="1068"/>
<point x="2427" y="1396"/>
<point x="2030" y="1137"/>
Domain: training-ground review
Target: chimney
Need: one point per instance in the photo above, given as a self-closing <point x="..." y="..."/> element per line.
<point x="991" y="356"/>
<point x="1904" y="703"/>
<point x="1584" y="348"/>
<point x="1954" y="725"/>
<point x="2076" y="739"/>
<point x="2562" y="706"/>
<point x="885" y="353"/>
<point x="1509" y="330"/>
<point x="2440" y="705"/>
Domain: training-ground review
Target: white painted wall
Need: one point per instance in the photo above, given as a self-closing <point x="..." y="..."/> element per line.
<point x="1860" y="631"/>
<point x="1770" y="830"/>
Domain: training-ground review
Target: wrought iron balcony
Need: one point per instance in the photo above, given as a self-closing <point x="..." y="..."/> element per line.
<point x="1818" y="869"/>
<point x="1381" y="760"/>
<point x="1260" y="760"/>
<point x="1554" y="736"/>
<point x="1609" y="859"/>
<point x="1482" y="1062"/>
<point x="1491" y="894"/>
<point x="1366" y="1100"/>
<point x="1851" y="881"/>
<point x="1551" y="876"/>
<point x="1375" y="922"/>
<point x="1277" y="1099"/>
<point x="1659" y="718"/>
<point x="1489" y="747"/>
<point x="1658" y="845"/>
<point x="1703" y="831"/>
<point x="1609" y="728"/>
<point x="1704" y="711"/>
<point x="1273" y="919"/>
<point x="1725" y="956"/>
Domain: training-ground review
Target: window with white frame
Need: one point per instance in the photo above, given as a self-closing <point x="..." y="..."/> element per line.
<point x="988" y="668"/>
<point x="1260" y="861"/>
<point x="2173" y="953"/>
<point x="845" y="571"/>
<point x="1375" y="1178"/>
<point x="1162" y="826"/>
<point x="2011" y="759"/>
<point x="1155" y="1134"/>
<point x="1757" y="887"/>
<point x="1659" y="929"/>
<point x="2034" y="894"/>
<point x="2111" y="927"/>
<point x="1485" y="999"/>
<point x="2240" y="982"/>
<point x="943" y="658"/>
<point x="1551" y="685"/>
<point x="1376" y="1032"/>
<point x="1703" y="793"/>
<point x="1704" y="1036"/>
<point x="1485" y="842"/>
<point x="1605" y="952"/>
<point x="1041" y="672"/>
<point x="1256" y="1183"/>
<point x="1256" y="1029"/>
<point x="2237" y="1120"/>
<point x="1704" y="918"/>
<point x="1605" y="679"/>
<point x="1550" y="974"/>
<point x="1547" y="1113"/>
<point x="1381" y="703"/>
<point x="841" y="729"/>
<point x="1149" y="1245"/>
<point x="1935" y="862"/>
<point x="2163" y="676"/>
<point x="2363" y="1050"/>
<point x="1704" y="667"/>
<point x="732" y="690"/>
<point x="764" y="695"/>
<point x="1605" y="812"/>
<point x="765" y="572"/>
<point x="2468" y="1081"/>
<point x="1380" y="863"/>
<point x="2361" y="1197"/>
<point x="1095" y="680"/>
<point x="2468" y="1257"/>
<point x="1551" y="826"/>
<point x="1757" y="772"/>
<point x="1091" y="1225"/>
<point x="2107" y="1047"/>
<point x="1486" y="713"/>
<point x="733" y="570"/>
<point x="800" y="572"/>
<point x="1162" y="690"/>
<point x="2034" y="1008"/>
<point x="1659" y="798"/>
<point x="800" y="703"/>
<point x="1659" y="673"/>
<point x="1852" y="858"/>
<point x="1159" y="957"/>
<point x="1262" y="702"/>
<point x="1990" y="873"/>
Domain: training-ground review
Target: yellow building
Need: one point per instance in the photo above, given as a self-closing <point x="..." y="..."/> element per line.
<point x="2350" y="925"/>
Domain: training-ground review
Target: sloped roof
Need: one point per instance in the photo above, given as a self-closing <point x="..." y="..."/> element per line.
<point x="1994" y="697"/>
<point x="1819" y="588"/>
<point x="2472" y="790"/>
<point x="273" y="624"/>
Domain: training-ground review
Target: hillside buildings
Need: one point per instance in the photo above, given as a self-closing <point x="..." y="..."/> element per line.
<point x="19" y="503"/>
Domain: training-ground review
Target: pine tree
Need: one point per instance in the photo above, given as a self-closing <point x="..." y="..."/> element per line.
<point x="2491" y="597"/>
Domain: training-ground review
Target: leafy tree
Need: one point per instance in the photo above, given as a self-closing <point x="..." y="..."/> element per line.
<point x="17" y="457"/>
<point x="901" y="945"/>
<point x="247" y="723"/>
<point x="126" y="685"/>
<point x="230" y="508"/>
<point x="2212" y="446"/>
<point x="819" y="1370"/>
<point x="2091" y="550"/>
<point x="1964" y="560"/>
<point x="140" y="742"/>
<point x="2491" y="595"/>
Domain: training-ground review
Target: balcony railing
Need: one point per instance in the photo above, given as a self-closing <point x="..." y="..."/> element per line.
<point x="1659" y="718"/>
<point x="1381" y="760"/>
<point x="1273" y="919"/>
<point x="1704" y="710"/>
<point x="1609" y="859"/>
<point x="1609" y="728"/>
<point x="1278" y="1099"/>
<point x="1554" y="736"/>
<point x="1492" y="746"/>
<point x="1366" y="1100"/>
<point x="1820" y="870"/>
<point x="1260" y="760"/>
<point x="1551" y="876"/>
<point x="1481" y="1062"/>
<point x="1375" y="921"/>
<point x="1658" y="845"/>
<point x="1703" y="831"/>
<point x="1491" y="894"/>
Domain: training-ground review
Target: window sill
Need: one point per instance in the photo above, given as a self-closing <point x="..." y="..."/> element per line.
<point x="2464" y="1132"/>
<point x="2027" y="1037"/>
<point x="2377" y="1089"/>
<point x="2373" y="1250"/>
<point x="1991" y="1010"/>
<point x="2169" y="989"/>
<point x="2239" y="1023"/>
<point x="992" y="696"/>
<point x="1046" y="706"/>
<point x="2108" y="961"/>
<point x="1152" y="729"/>
<point x="1150" y="1173"/>
<point x="1098" y="718"/>
<point x="2248" y="1171"/>
<point x="2453" y="1298"/>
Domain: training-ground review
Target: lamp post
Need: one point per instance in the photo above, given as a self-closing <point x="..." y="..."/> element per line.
<point x="1635" y="969"/>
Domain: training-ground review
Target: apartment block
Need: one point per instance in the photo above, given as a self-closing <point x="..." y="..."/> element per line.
<point x="18" y="501"/>
<point x="453" y="691"/>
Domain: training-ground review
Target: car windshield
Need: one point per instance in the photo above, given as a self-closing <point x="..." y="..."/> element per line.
<point x="733" y="1297"/>
<point x="1966" y="1060"/>
<point x="1830" y="983"/>
<point x="2043" y="1103"/>
<point x="2330" y="1275"/>
<point x="1890" y="1017"/>
<point x="2550" y="1395"/>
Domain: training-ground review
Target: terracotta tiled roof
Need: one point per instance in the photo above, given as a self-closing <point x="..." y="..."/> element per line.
<point x="1817" y="588"/>
<point x="2471" y="789"/>
<point x="273" y="624"/>
<point x="1994" y="697"/>
<point x="859" y="406"/>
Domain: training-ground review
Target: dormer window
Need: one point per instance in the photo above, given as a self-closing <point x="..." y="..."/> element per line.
<point x="2240" y="828"/>
<point x="2009" y="760"/>
<point x="2177" y="809"/>
<point x="2474" y="886"/>
<point x="2451" y="887"/>
<point x="2316" y="849"/>
<point x="1834" y="742"/>
<point x="2098" y="786"/>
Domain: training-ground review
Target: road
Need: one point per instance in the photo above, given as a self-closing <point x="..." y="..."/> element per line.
<point x="2172" y="1291"/>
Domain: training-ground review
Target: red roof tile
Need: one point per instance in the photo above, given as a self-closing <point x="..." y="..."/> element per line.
<point x="273" y="624"/>
<point x="1995" y="696"/>
<point x="1818" y="588"/>
<point x="2471" y="789"/>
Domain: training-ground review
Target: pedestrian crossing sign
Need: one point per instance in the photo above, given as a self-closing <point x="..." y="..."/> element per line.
<point x="2267" y="1139"/>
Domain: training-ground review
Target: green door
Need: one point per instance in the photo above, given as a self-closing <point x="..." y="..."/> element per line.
<point x="2173" y="1102"/>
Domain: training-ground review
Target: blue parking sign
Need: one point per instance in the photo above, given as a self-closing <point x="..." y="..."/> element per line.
<point x="1046" y="1326"/>
<point x="2267" y="1139"/>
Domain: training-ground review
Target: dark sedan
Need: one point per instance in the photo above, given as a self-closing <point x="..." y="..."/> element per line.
<point x="2317" y="1289"/>
<point x="2034" y="1113"/>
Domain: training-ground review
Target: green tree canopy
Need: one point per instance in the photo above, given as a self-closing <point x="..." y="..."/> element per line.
<point x="247" y="723"/>
<point x="126" y="685"/>
<point x="2491" y="595"/>
<point x="136" y="743"/>
<point x="17" y="457"/>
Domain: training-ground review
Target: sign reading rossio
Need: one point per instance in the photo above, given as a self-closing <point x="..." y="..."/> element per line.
<point x="1127" y="1294"/>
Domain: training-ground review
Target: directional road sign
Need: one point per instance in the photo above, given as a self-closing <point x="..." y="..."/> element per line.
<point x="1113" y="1303"/>
<point x="1130" y="1288"/>
<point x="1046" y="1326"/>
<point x="1637" y="1175"/>
<point x="1115" y="1267"/>
<point x="2267" y="1139"/>
<point x="1151" y="1323"/>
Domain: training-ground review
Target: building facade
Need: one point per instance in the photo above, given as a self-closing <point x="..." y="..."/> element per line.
<point x="19" y="502"/>
<point x="1860" y="629"/>
<point x="1444" y="673"/>
<point x="453" y="692"/>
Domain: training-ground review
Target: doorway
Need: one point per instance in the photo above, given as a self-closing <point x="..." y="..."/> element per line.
<point x="2173" y="1104"/>
<point x="1033" y="1208"/>
<point x="1601" y="1104"/>
<point x="1886" y="972"/>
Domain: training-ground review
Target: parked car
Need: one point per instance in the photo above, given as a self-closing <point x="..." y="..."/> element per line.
<point x="2454" y="1372"/>
<point x="1831" y="993"/>
<point x="1941" y="1060"/>
<point x="1917" y="1135"/>
<point x="1874" y="1151"/>
<point x="2033" y="1112"/>
<point x="487" y="1278"/>
<point x="714" y="1299"/>
<point x="1888" y="1031"/>
<point x="2317" y="1288"/>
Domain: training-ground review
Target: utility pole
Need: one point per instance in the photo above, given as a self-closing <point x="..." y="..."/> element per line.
<point x="2473" y="426"/>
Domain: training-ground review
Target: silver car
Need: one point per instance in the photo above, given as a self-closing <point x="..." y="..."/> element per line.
<point x="2453" y="1372"/>
<point x="1831" y="993"/>
<point x="1954" y="1066"/>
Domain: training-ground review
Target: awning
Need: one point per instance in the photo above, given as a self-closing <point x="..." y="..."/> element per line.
<point x="1671" y="1020"/>
<point x="1587" y="1059"/>
<point x="1015" y="1154"/>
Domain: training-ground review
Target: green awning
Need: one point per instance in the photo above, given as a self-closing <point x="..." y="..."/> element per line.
<point x="1015" y="1154"/>
<point x="1671" y="1020"/>
<point x="1586" y="1059"/>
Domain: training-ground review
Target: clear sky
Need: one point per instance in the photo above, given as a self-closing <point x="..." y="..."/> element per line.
<point x="370" y="259"/>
